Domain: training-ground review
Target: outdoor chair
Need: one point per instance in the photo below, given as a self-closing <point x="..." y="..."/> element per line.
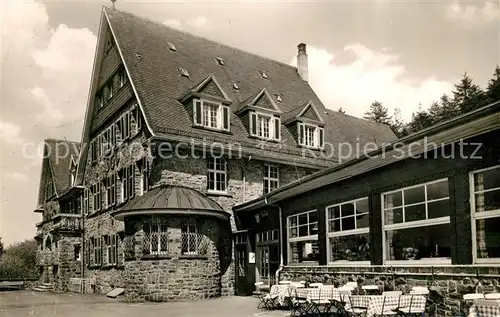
<point x="367" y="289"/>
<point x="299" y="306"/>
<point x="266" y="300"/>
<point x="315" y="285"/>
<point x="320" y="301"/>
<point x="285" y="282"/>
<point x="355" y="308"/>
<point x="415" y="308"/>
<point x="468" y="300"/>
<point x="385" y="311"/>
<point x="342" y="303"/>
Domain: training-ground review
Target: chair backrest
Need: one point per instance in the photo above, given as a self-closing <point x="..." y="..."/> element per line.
<point x="370" y="287"/>
<point x="316" y="284"/>
<point x="492" y="296"/>
<point x="328" y="286"/>
<point x="351" y="284"/>
<point x="392" y="293"/>
<point x="285" y="282"/>
<point x="419" y="290"/>
<point x="472" y="296"/>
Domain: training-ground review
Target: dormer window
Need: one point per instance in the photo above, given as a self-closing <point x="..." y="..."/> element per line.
<point x="264" y="126"/>
<point x="211" y="115"/>
<point x="263" y="74"/>
<point x="310" y="135"/>
<point x="278" y="97"/>
<point x="235" y="86"/>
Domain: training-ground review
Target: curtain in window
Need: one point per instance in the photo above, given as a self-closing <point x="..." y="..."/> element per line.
<point x="480" y="226"/>
<point x="389" y="218"/>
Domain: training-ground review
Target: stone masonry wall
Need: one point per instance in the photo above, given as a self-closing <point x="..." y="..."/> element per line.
<point x="447" y="283"/>
<point x="245" y="182"/>
<point x="174" y="276"/>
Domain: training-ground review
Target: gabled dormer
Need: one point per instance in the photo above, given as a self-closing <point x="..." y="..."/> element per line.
<point x="261" y="115"/>
<point x="307" y="125"/>
<point x="209" y="105"/>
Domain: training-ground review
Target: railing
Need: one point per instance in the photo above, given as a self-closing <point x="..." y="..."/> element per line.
<point x="69" y="223"/>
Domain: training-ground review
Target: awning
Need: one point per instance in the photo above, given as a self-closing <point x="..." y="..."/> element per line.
<point x="168" y="199"/>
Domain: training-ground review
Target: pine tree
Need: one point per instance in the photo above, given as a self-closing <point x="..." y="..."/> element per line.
<point x="493" y="88"/>
<point x="468" y="96"/>
<point x="397" y="124"/>
<point x="421" y="120"/>
<point x="341" y="110"/>
<point x="378" y="113"/>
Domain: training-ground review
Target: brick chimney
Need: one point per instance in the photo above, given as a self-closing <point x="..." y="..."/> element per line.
<point x="302" y="67"/>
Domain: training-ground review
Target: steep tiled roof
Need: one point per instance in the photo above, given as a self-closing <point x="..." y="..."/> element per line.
<point x="57" y="159"/>
<point x="153" y="69"/>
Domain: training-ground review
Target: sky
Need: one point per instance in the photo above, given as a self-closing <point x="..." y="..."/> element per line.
<point x="404" y="54"/>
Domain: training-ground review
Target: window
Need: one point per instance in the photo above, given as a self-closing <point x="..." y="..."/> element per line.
<point x="76" y="252"/>
<point x="485" y="209"/>
<point x="191" y="238"/>
<point x="111" y="89"/>
<point x="265" y="126"/>
<point x="111" y="190"/>
<point x="263" y="74"/>
<point x="271" y="178"/>
<point x="97" y="251"/>
<point x="235" y="86"/>
<point x="310" y="135"/>
<point x="136" y="118"/>
<point x="183" y="72"/>
<point x="217" y="181"/>
<point x="171" y="46"/>
<point x="128" y="184"/>
<point x="416" y="223"/>
<point x="111" y="247"/>
<point x="270" y="236"/>
<point x="99" y="101"/>
<point x="220" y="61"/>
<point x="96" y="196"/>
<point x="122" y="77"/>
<point x="143" y="168"/>
<point x="211" y="115"/>
<point x="124" y="126"/>
<point x="156" y="238"/>
<point x="303" y="237"/>
<point x="348" y="231"/>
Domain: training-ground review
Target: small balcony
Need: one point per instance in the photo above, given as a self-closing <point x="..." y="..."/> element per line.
<point x="67" y="222"/>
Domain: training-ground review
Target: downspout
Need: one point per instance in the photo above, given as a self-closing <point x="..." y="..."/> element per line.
<point x="280" y="236"/>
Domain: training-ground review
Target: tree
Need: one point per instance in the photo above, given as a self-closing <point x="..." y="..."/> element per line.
<point x="493" y="88"/>
<point x="19" y="261"/>
<point x="468" y="96"/>
<point x="378" y="113"/>
<point x="421" y="120"/>
<point x="397" y="124"/>
<point x="341" y="110"/>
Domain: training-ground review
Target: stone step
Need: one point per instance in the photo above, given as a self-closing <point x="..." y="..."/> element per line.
<point x="47" y="284"/>
<point x="42" y="289"/>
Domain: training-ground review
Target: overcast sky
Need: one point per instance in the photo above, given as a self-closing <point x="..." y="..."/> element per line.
<point x="401" y="53"/>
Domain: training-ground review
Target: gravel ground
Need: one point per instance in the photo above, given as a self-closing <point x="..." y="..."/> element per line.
<point x="27" y="303"/>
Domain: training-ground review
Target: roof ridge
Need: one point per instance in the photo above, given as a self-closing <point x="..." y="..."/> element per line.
<point x="198" y="36"/>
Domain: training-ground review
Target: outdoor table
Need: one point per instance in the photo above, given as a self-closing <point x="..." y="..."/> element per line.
<point x="477" y="310"/>
<point x="392" y="303"/>
<point x="281" y="291"/>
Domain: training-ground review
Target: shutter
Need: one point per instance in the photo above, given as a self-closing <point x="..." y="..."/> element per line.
<point x="132" y="177"/>
<point x="253" y="123"/>
<point x="300" y="136"/>
<point x="277" y="128"/>
<point x="225" y="118"/>
<point x="101" y="251"/>
<point x="321" y="135"/>
<point x="197" y="112"/>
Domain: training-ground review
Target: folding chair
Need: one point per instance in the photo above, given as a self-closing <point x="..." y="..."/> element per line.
<point x="320" y="301"/>
<point x="415" y="308"/>
<point x="300" y="306"/>
<point x="357" y="305"/>
<point x="384" y="311"/>
<point x="342" y="302"/>
<point x="266" y="300"/>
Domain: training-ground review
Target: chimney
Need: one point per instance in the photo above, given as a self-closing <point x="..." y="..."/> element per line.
<point x="302" y="61"/>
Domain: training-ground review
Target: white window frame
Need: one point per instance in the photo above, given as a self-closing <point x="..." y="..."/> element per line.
<point x="160" y="234"/>
<point x="259" y="133"/>
<point x="304" y="141"/>
<point x="413" y="224"/>
<point x="300" y="239"/>
<point x="343" y="233"/>
<point x="219" y="115"/>
<point x="216" y="171"/>
<point x="481" y="215"/>
<point x="269" y="179"/>
<point x="267" y="237"/>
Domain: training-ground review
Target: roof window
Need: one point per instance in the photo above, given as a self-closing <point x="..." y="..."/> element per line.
<point x="220" y="61"/>
<point x="171" y="47"/>
<point x="263" y="74"/>
<point x="278" y="97"/>
<point x="183" y="72"/>
<point x="235" y="86"/>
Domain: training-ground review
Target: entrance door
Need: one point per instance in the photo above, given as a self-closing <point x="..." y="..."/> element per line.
<point x="241" y="270"/>
<point x="268" y="263"/>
